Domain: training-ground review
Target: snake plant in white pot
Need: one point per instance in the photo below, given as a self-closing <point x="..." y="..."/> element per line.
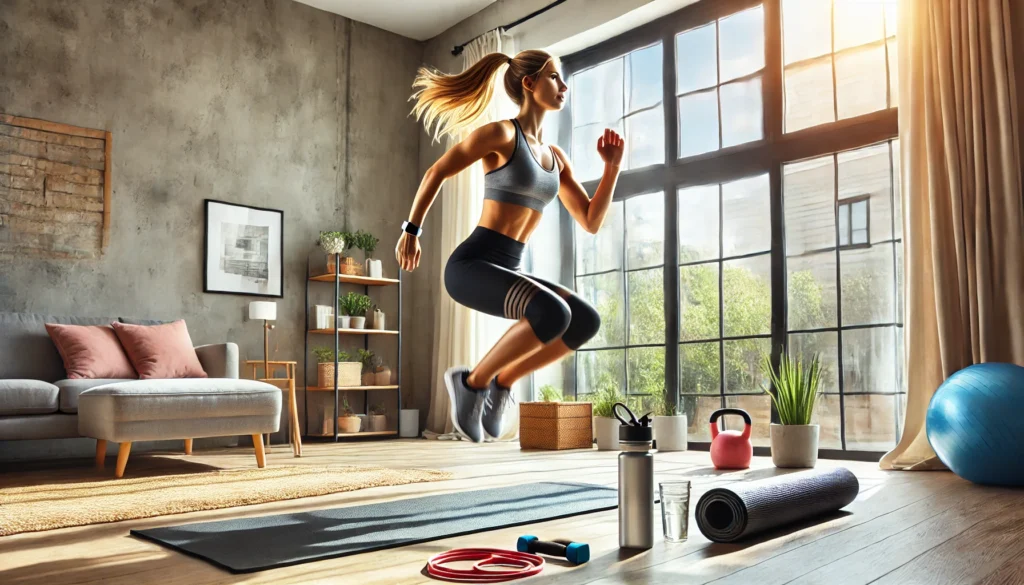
<point x="795" y="441"/>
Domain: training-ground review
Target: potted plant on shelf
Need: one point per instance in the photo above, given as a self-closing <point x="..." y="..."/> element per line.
<point x="367" y="242"/>
<point x="348" y="372"/>
<point x="354" y="306"/>
<point x="368" y="359"/>
<point x="795" y="441"/>
<point x="555" y="422"/>
<point x="332" y="243"/>
<point x="670" y="427"/>
<point x="348" y="422"/>
<point x="606" y="426"/>
<point x="378" y="420"/>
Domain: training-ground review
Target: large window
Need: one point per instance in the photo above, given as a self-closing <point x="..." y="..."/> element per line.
<point x="758" y="211"/>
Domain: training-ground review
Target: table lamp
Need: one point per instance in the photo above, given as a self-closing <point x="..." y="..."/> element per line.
<point x="266" y="310"/>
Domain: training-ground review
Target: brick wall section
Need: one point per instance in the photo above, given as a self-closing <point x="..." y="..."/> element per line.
<point x="51" y="193"/>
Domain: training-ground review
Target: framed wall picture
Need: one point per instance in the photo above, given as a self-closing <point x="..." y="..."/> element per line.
<point x="243" y="250"/>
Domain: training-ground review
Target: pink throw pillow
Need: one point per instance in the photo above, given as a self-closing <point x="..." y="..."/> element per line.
<point x="160" y="351"/>
<point x="90" y="351"/>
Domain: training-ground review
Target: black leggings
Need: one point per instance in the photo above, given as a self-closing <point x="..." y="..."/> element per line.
<point x="483" y="274"/>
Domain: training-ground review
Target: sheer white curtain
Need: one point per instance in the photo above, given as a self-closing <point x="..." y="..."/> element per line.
<point x="462" y="336"/>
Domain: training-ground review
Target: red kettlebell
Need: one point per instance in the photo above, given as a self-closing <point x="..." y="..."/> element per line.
<point x="731" y="449"/>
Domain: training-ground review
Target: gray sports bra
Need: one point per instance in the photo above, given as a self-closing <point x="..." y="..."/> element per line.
<point x="522" y="180"/>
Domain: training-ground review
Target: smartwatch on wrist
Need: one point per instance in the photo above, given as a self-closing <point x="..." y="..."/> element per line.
<point x="411" y="228"/>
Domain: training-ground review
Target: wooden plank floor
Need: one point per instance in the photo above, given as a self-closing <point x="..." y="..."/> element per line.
<point x="923" y="527"/>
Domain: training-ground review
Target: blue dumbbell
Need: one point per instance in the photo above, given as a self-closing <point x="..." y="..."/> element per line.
<point x="576" y="553"/>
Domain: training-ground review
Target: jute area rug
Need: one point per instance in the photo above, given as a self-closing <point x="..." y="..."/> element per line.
<point x="60" y="505"/>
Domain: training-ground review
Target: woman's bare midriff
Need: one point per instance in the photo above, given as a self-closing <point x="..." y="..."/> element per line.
<point x="514" y="221"/>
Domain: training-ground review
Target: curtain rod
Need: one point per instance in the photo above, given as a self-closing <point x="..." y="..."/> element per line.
<point x="457" y="50"/>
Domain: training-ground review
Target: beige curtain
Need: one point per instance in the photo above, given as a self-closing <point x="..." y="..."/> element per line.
<point x="462" y="336"/>
<point x="963" y="218"/>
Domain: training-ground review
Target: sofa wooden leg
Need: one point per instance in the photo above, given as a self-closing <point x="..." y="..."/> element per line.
<point x="122" y="458"/>
<point x="101" y="452"/>
<point x="261" y="458"/>
<point x="188" y="446"/>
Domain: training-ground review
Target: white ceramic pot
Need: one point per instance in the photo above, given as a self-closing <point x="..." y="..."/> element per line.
<point x="374" y="268"/>
<point x="378" y="320"/>
<point x="344" y="321"/>
<point x="670" y="432"/>
<point x="377" y="422"/>
<point x="794" y="445"/>
<point x="409" y="418"/>
<point x="358" y="322"/>
<point x="606" y="431"/>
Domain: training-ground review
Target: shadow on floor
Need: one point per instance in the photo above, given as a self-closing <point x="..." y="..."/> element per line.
<point x="716" y="549"/>
<point x="56" y="472"/>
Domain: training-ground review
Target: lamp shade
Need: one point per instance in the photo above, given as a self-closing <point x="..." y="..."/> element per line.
<point x="266" y="310"/>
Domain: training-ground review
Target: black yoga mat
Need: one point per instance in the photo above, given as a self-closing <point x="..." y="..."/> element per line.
<point x="743" y="509"/>
<point x="246" y="545"/>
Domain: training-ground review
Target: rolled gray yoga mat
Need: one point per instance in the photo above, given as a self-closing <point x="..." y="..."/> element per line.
<point x="743" y="509"/>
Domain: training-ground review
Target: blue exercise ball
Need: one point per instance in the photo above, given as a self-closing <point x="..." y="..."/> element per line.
<point x="975" y="424"/>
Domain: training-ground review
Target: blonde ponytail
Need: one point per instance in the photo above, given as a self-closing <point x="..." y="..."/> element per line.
<point x="451" y="103"/>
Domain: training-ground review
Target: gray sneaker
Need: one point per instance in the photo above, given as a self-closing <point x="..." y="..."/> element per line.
<point x="498" y="402"/>
<point x="467" y="403"/>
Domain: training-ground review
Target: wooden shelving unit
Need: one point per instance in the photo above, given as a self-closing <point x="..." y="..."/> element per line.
<point x="348" y="279"/>
<point x="349" y="388"/>
<point x="366" y="282"/>
<point x="357" y="435"/>
<point x="353" y="331"/>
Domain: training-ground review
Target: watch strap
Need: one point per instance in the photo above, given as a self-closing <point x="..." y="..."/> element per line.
<point x="411" y="228"/>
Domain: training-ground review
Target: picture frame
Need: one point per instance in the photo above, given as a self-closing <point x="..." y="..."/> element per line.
<point x="243" y="249"/>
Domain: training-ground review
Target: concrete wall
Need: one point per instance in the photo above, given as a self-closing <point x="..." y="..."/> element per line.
<point x="273" y="104"/>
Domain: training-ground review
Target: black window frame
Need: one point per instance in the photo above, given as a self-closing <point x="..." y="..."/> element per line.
<point x="724" y="165"/>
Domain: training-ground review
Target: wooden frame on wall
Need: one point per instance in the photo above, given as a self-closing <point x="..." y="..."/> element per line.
<point x="250" y="258"/>
<point x="80" y="132"/>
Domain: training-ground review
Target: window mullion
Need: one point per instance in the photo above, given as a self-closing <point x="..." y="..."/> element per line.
<point x="839" y="303"/>
<point x="625" y="290"/>
<point x="670" y="275"/>
<point x="721" y="302"/>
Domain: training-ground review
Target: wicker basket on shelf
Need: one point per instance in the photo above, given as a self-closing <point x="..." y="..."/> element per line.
<point x="555" y="425"/>
<point x="348" y="374"/>
<point x="350" y="267"/>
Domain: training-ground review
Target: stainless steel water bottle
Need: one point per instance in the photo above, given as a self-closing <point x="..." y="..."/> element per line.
<point x="636" y="481"/>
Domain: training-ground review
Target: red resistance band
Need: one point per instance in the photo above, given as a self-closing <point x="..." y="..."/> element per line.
<point x="508" y="565"/>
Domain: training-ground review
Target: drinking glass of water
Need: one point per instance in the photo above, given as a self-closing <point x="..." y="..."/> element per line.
<point x="675" y="509"/>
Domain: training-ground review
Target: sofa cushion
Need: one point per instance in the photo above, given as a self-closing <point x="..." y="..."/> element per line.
<point x="26" y="349"/>
<point x="90" y="351"/>
<point x="38" y="426"/>
<point x="27" y="397"/>
<point x="70" y="389"/>
<point x="160" y="351"/>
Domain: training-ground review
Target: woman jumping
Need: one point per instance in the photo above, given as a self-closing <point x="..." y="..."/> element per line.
<point x="522" y="176"/>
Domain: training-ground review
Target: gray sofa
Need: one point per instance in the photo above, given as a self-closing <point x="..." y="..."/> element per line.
<point x="36" y="399"/>
<point x="38" y="402"/>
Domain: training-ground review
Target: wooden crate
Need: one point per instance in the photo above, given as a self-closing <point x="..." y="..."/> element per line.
<point x="555" y="425"/>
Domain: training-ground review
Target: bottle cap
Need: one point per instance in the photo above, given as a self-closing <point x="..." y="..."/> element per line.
<point x="633" y="430"/>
